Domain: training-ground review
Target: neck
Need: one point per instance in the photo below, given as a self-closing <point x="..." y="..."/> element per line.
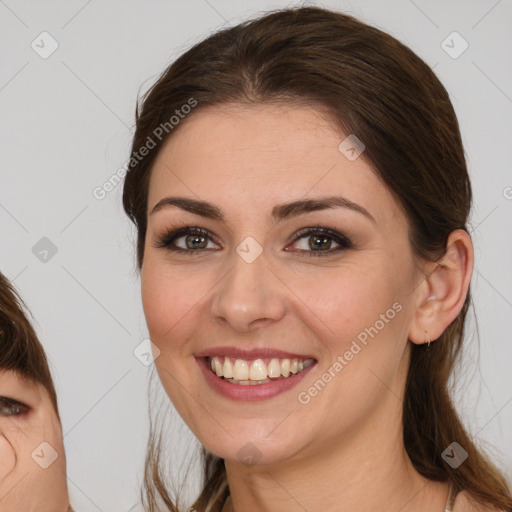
<point x="368" y="471"/>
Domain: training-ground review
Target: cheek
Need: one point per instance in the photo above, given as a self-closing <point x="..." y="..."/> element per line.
<point x="349" y="299"/>
<point x="171" y="297"/>
<point x="363" y="309"/>
<point x="160" y="297"/>
<point x="7" y="458"/>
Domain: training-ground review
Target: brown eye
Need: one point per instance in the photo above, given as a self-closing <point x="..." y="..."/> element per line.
<point x="322" y="238"/>
<point x="10" y="407"/>
<point x="195" y="240"/>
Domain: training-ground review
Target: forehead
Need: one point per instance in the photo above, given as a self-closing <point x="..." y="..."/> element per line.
<point x="231" y="134"/>
<point x="15" y="385"/>
<point x="275" y="153"/>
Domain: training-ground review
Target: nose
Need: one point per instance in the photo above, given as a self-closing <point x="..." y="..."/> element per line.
<point x="249" y="296"/>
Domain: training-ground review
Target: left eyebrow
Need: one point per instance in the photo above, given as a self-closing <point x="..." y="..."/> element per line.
<point x="279" y="212"/>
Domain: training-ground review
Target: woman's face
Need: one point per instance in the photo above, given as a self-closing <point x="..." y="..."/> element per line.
<point x="258" y="282"/>
<point x="32" y="461"/>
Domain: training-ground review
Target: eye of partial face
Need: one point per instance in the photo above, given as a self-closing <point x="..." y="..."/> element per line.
<point x="11" y="407"/>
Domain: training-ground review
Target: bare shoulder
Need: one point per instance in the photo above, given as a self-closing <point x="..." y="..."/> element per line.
<point x="464" y="502"/>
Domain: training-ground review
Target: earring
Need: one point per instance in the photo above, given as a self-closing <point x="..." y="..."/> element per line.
<point x="428" y="343"/>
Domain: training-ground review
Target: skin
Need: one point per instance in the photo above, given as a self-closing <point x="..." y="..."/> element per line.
<point x="24" y="483"/>
<point x="348" y="439"/>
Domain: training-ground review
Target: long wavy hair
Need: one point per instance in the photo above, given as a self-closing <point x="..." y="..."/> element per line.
<point x="378" y="89"/>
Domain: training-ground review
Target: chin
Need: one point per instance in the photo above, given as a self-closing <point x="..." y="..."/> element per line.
<point x="251" y="448"/>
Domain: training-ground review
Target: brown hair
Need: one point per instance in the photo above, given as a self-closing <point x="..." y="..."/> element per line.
<point x="20" y="348"/>
<point x="376" y="88"/>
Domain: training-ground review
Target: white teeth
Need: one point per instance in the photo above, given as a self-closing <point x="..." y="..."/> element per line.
<point x="240" y="370"/>
<point x="218" y="368"/>
<point x="274" y="369"/>
<point x="285" y="367"/>
<point x="257" y="372"/>
<point x="227" y="370"/>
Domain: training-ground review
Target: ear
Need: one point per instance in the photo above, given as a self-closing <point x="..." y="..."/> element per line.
<point x="443" y="291"/>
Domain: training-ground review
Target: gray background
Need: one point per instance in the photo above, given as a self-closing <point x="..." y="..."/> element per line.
<point x="66" y="125"/>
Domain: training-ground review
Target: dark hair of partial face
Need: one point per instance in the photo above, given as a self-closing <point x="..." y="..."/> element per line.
<point x="20" y="349"/>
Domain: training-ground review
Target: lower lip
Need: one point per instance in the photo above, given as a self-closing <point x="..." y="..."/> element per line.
<point x="249" y="393"/>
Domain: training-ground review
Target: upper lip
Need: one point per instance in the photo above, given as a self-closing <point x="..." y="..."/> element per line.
<point x="255" y="353"/>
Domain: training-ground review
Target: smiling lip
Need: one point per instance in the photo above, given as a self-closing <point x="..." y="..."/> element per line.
<point x="250" y="355"/>
<point x="256" y="393"/>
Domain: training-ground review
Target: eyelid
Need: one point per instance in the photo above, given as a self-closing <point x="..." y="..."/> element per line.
<point x="334" y="235"/>
<point x="331" y="233"/>
<point x="15" y="406"/>
<point x="167" y="238"/>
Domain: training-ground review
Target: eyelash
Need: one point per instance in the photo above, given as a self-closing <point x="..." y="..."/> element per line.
<point x="14" y="408"/>
<point x="166" y="240"/>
